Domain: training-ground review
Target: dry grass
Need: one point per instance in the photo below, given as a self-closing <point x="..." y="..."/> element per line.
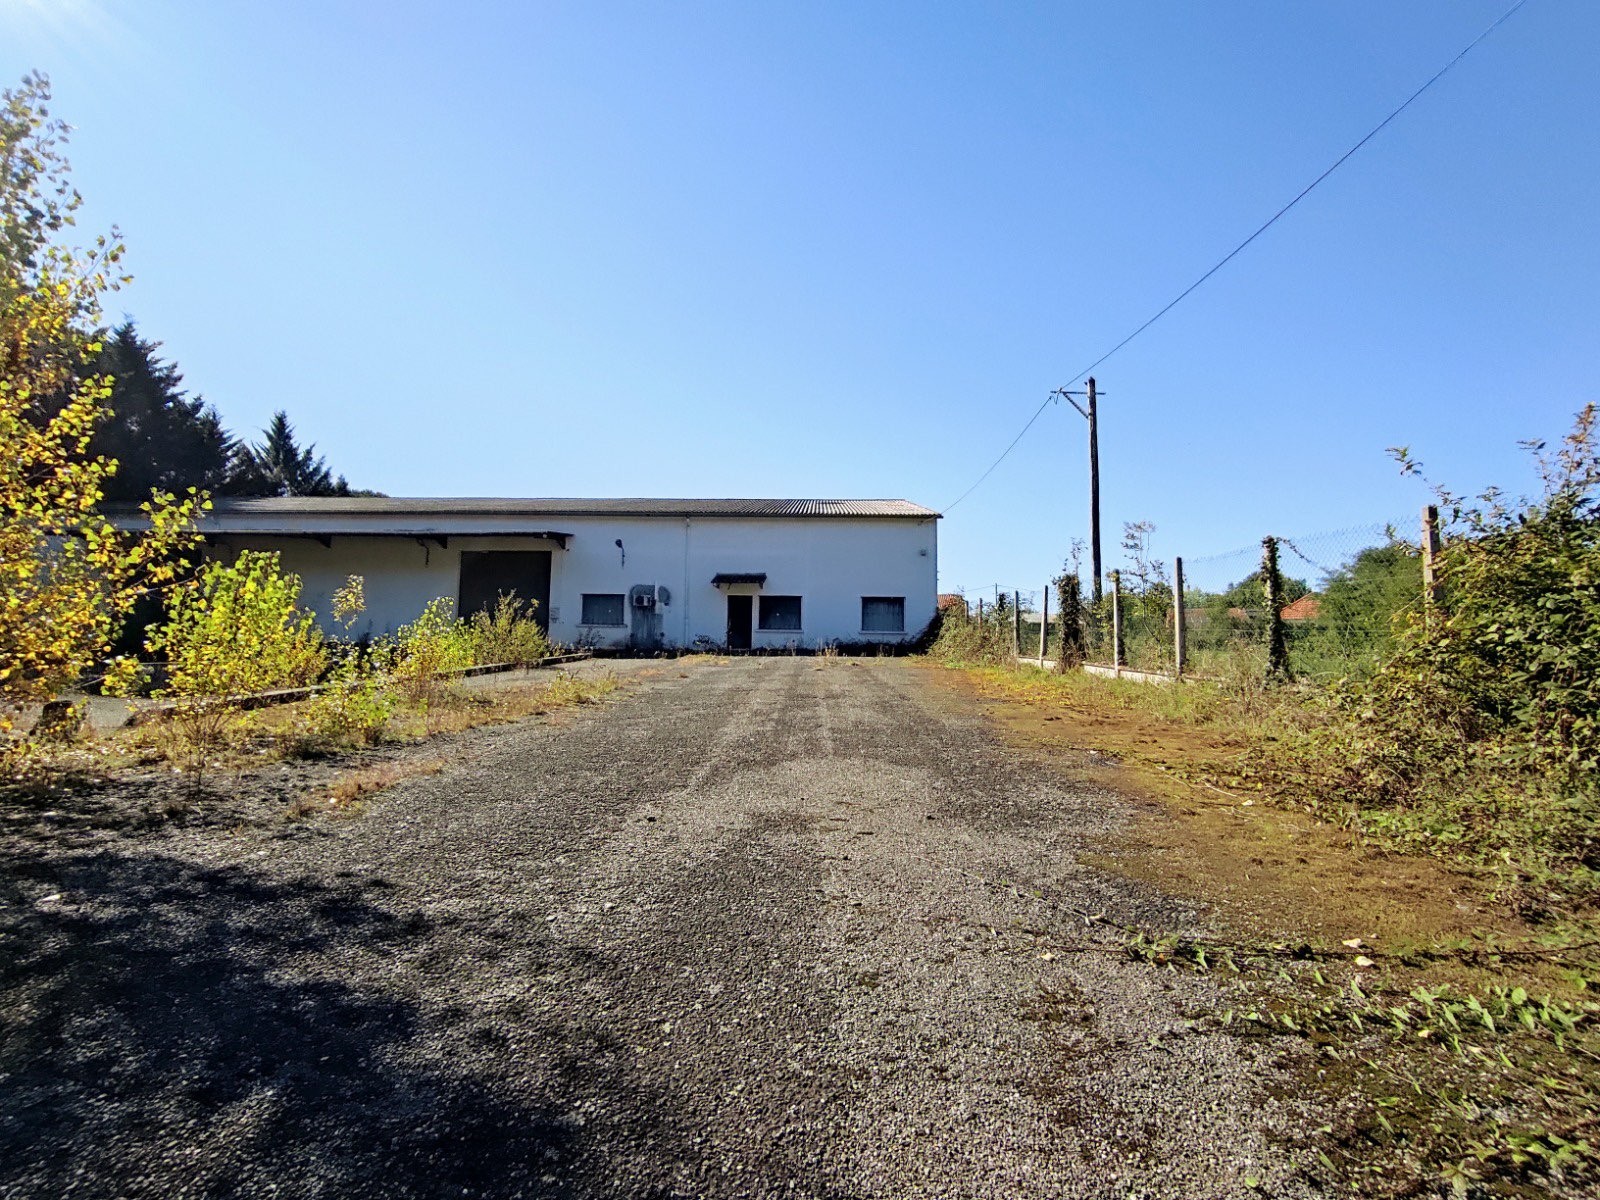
<point x="462" y="708"/>
<point x="262" y="737"/>
<point x="1264" y="869"/>
<point x="347" y="795"/>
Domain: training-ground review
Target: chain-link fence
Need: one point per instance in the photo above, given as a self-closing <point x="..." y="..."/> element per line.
<point x="1336" y="600"/>
<point x="1315" y="606"/>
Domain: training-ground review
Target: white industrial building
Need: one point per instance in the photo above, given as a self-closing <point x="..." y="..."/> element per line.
<point x="640" y="574"/>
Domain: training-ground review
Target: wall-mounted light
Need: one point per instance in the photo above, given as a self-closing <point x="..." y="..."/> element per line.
<point x="623" y="552"/>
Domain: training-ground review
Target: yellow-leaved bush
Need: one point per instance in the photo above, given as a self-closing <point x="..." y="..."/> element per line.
<point x="67" y="575"/>
<point x="234" y="630"/>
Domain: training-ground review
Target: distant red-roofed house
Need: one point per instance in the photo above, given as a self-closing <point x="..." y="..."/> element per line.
<point x="1307" y="608"/>
<point x="953" y="602"/>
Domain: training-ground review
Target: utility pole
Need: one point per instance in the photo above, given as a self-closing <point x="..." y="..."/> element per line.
<point x="1094" y="487"/>
<point x="1091" y="413"/>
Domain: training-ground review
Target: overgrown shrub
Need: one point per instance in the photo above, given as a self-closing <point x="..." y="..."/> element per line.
<point x="969" y="639"/>
<point x="356" y="703"/>
<point x="1480" y="735"/>
<point x="1070" y="642"/>
<point x="67" y="576"/>
<point x="233" y="630"/>
<point x="509" y="634"/>
<point x="434" y="643"/>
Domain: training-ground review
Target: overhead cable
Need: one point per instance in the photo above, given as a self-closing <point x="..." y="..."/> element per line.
<point x="1232" y="254"/>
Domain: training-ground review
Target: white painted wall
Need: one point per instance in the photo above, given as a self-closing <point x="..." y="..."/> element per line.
<point x="831" y="563"/>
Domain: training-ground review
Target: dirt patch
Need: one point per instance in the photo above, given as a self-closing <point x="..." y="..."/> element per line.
<point x="1264" y="870"/>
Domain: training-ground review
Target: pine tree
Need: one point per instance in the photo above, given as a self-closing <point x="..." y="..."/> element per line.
<point x="278" y="466"/>
<point x="161" y="437"/>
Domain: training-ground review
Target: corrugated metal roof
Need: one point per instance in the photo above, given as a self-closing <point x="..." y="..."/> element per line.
<point x="466" y="506"/>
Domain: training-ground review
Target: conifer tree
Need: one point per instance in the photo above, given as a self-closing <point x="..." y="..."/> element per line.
<point x="161" y="437"/>
<point x="279" y="466"/>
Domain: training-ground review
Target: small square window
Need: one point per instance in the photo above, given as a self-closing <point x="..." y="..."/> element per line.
<point x="603" y="608"/>
<point x="779" y="612"/>
<point x="883" y="614"/>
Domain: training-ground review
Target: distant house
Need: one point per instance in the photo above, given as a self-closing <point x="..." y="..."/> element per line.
<point x="1307" y="608"/>
<point x="953" y="603"/>
<point x="625" y="573"/>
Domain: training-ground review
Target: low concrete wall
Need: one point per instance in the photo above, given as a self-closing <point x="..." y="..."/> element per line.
<point x="160" y="712"/>
<point x="1110" y="672"/>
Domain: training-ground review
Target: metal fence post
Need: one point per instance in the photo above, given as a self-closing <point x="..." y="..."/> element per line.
<point x="1016" y="624"/>
<point x="1119" y="658"/>
<point x="1180" y="622"/>
<point x="1272" y="583"/>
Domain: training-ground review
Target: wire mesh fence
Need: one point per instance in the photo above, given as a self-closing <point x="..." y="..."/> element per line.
<point x="1313" y="606"/>
<point x="1337" y="602"/>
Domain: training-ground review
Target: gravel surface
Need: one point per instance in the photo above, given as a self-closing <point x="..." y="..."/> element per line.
<point x="765" y="927"/>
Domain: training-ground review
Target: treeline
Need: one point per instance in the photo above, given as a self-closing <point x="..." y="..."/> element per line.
<point x="164" y="439"/>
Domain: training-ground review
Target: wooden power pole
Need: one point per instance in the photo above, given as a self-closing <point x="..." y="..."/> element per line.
<point x="1094" y="488"/>
<point x="1091" y="413"/>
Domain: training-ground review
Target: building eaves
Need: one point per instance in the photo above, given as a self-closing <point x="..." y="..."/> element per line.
<point x="464" y="506"/>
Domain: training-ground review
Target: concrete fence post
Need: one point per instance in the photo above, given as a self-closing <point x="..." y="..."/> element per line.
<point x="1044" y="624"/>
<point x="1180" y="622"/>
<point x="1119" y="656"/>
<point x="1277" y="638"/>
<point x="1430" y="558"/>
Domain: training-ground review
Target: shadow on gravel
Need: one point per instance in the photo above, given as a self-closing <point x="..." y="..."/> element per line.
<point x="156" y="1038"/>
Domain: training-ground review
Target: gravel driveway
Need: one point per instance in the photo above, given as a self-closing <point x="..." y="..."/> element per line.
<point x="759" y="928"/>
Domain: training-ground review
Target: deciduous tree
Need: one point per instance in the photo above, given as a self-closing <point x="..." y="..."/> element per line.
<point x="65" y="573"/>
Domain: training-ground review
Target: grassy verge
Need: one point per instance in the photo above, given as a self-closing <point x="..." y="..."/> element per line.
<point x="259" y="739"/>
<point x="1439" y="991"/>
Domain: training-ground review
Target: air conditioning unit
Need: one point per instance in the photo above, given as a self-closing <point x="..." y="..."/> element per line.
<point x="644" y="599"/>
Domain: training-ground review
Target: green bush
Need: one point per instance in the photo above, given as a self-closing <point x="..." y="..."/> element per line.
<point x="356" y="703"/>
<point x="1479" y="735"/>
<point x="509" y="634"/>
<point x="436" y="642"/>
<point x="234" y="630"/>
<point x="966" y="639"/>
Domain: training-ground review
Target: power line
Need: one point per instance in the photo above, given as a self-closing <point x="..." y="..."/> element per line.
<point x="1234" y="253"/>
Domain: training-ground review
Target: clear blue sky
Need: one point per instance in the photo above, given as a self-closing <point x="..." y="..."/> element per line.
<point x="846" y="249"/>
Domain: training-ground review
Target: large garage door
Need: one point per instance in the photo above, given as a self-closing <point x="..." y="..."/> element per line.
<point x="485" y="574"/>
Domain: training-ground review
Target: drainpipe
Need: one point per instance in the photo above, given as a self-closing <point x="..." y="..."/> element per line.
<point x="684" y="641"/>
